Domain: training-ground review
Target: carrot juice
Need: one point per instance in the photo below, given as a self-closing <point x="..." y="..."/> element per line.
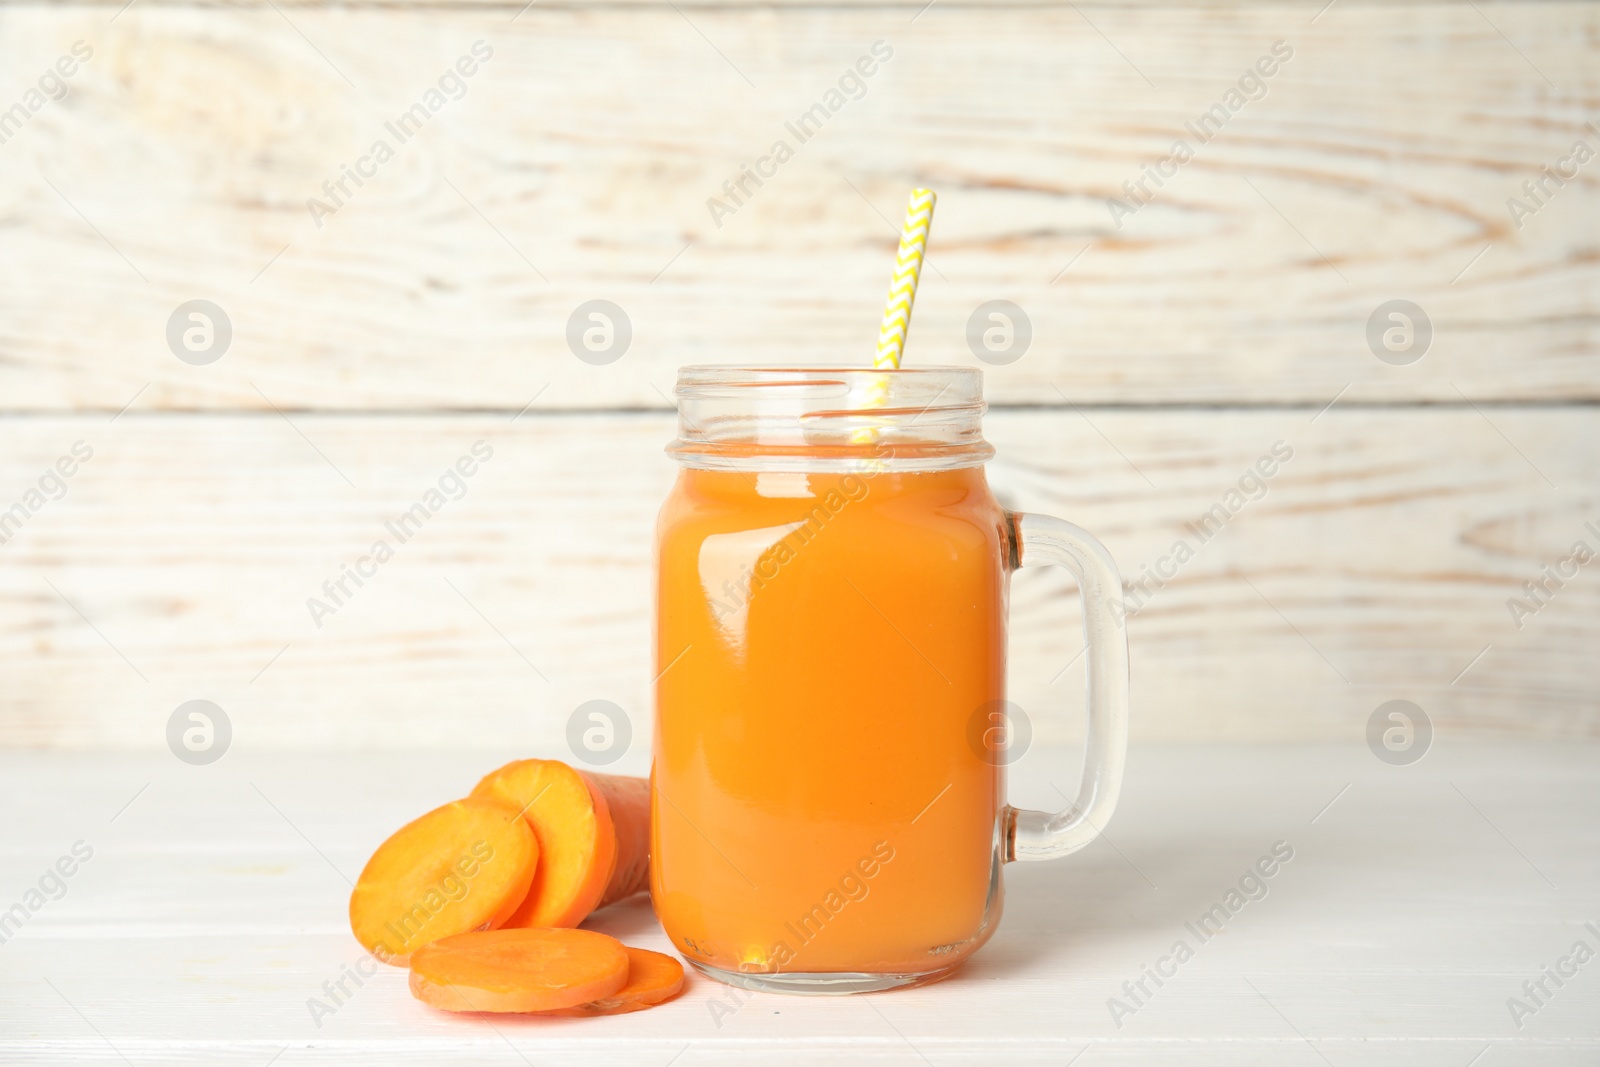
<point x="825" y="642"/>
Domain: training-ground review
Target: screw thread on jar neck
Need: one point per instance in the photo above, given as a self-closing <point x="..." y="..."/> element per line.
<point x="830" y="418"/>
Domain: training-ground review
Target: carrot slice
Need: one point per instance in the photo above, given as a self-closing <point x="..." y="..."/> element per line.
<point x="464" y="866"/>
<point x="518" y="970"/>
<point x="628" y="800"/>
<point x="577" y="841"/>
<point x="653" y="978"/>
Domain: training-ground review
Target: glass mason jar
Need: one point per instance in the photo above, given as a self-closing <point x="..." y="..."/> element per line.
<point x="828" y="794"/>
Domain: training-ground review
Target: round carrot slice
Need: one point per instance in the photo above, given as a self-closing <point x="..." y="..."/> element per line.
<point x="518" y="970"/>
<point x="465" y="866"/>
<point x="577" y="842"/>
<point x="653" y="978"/>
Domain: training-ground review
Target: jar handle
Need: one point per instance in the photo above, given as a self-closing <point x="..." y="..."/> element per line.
<point x="1042" y="835"/>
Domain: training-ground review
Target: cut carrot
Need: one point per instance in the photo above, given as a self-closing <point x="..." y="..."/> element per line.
<point x="577" y="845"/>
<point x="653" y="978"/>
<point x="465" y="866"/>
<point x="629" y="802"/>
<point x="586" y="859"/>
<point x="518" y="970"/>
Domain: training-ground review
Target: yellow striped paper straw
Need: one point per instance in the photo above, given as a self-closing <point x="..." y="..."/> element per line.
<point x="903" y="286"/>
<point x="897" y="309"/>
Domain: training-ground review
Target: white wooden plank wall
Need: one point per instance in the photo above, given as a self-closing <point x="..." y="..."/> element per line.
<point x="594" y="137"/>
<point x="193" y="542"/>
<point x="430" y="309"/>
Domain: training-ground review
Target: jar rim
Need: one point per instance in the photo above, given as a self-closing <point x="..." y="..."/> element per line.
<point x="727" y="369"/>
<point x="829" y="417"/>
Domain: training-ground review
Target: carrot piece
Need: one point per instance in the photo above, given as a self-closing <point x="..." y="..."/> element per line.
<point x="464" y="866"/>
<point x="572" y="816"/>
<point x="577" y="845"/>
<point x="653" y="978"/>
<point x="629" y="802"/>
<point x="518" y="970"/>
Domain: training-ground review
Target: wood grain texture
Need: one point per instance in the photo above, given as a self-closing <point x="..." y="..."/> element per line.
<point x="1376" y="566"/>
<point x="212" y="911"/>
<point x="911" y="6"/>
<point x="579" y="164"/>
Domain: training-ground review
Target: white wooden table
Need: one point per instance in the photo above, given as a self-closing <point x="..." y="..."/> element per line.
<point x="1418" y="901"/>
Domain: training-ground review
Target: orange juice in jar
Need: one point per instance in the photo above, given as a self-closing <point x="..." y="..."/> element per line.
<point x="828" y="807"/>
